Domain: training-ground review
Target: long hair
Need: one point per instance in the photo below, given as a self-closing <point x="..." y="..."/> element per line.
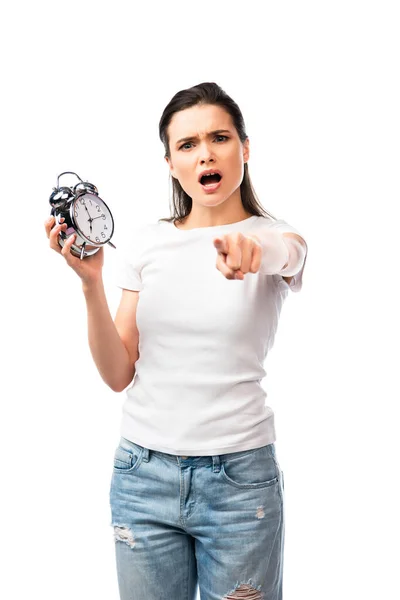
<point x="206" y="93"/>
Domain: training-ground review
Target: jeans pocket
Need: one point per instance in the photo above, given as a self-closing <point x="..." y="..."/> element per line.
<point x="127" y="456"/>
<point x="252" y="469"/>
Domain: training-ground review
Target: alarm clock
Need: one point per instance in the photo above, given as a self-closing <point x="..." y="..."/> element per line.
<point x="86" y="215"/>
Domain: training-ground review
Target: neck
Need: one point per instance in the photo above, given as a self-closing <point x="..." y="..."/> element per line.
<point x="201" y="216"/>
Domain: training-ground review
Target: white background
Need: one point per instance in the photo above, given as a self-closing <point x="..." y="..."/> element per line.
<point x="84" y="87"/>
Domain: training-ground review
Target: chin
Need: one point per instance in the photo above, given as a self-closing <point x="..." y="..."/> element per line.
<point x="214" y="201"/>
<point x="218" y="197"/>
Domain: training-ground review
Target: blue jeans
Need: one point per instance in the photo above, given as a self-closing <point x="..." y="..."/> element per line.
<point x="210" y="522"/>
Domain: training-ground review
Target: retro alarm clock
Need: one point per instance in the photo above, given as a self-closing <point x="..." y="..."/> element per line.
<point x="86" y="215"/>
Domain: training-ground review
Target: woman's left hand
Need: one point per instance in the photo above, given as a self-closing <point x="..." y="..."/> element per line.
<point x="238" y="254"/>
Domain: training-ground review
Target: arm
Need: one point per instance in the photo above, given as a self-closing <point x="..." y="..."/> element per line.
<point x="114" y="362"/>
<point x="297" y="254"/>
<point x="283" y="253"/>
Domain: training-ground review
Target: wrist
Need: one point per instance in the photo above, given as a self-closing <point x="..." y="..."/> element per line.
<point x="88" y="286"/>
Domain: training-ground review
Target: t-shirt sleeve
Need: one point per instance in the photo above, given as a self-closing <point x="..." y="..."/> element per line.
<point x="128" y="261"/>
<point x="296" y="282"/>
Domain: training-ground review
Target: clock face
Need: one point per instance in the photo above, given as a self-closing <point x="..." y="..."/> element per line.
<point x="93" y="218"/>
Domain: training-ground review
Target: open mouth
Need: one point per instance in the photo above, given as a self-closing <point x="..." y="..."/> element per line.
<point x="210" y="179"/>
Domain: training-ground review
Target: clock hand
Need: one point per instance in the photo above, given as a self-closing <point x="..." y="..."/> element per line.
<point x="90" y="218"/>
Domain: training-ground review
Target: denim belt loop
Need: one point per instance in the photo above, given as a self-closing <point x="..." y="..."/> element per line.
<point x="146" y="452"/>
<point x="216" y="463"/>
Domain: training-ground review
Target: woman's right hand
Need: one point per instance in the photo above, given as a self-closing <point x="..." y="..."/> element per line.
<point x="89" y="269"/>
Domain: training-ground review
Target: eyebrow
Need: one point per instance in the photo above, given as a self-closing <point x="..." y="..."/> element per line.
<point x="195" y="137"/>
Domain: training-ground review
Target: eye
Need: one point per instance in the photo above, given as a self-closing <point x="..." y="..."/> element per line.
<point x="217" y="136"/>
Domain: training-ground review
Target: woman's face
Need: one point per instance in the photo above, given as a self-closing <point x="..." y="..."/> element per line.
<point x="206" y="150"/>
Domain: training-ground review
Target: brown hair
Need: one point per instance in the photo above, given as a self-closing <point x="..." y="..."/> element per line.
<point x="207" y="93"/>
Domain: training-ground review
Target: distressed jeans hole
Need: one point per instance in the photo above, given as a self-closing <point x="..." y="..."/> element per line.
<point x="244" y="592"/>
<point x="124" y="534"/>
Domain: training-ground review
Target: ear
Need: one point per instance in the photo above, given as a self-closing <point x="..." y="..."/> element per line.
<point x="171" y="168"/>
<point x="246" y="150"/>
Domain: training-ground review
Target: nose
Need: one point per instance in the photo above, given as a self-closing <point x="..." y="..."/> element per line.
<point x="206" y="154"/>
<point x="206" y="161"/>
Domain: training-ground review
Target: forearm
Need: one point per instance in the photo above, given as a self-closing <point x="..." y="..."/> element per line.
<point x="281" y="255"/>
<point x="108" y="351"/>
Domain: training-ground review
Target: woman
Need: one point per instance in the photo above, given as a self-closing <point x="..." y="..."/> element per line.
<point x="197" y="492"/>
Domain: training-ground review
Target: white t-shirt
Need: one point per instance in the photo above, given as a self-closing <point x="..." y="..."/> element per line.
<point x="203" y="340"/>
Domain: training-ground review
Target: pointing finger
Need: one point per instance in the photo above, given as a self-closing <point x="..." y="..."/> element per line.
<point x="221" y="245"/>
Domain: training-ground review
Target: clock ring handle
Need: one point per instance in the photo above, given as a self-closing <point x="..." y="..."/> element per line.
<point x="65" y="173"/>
